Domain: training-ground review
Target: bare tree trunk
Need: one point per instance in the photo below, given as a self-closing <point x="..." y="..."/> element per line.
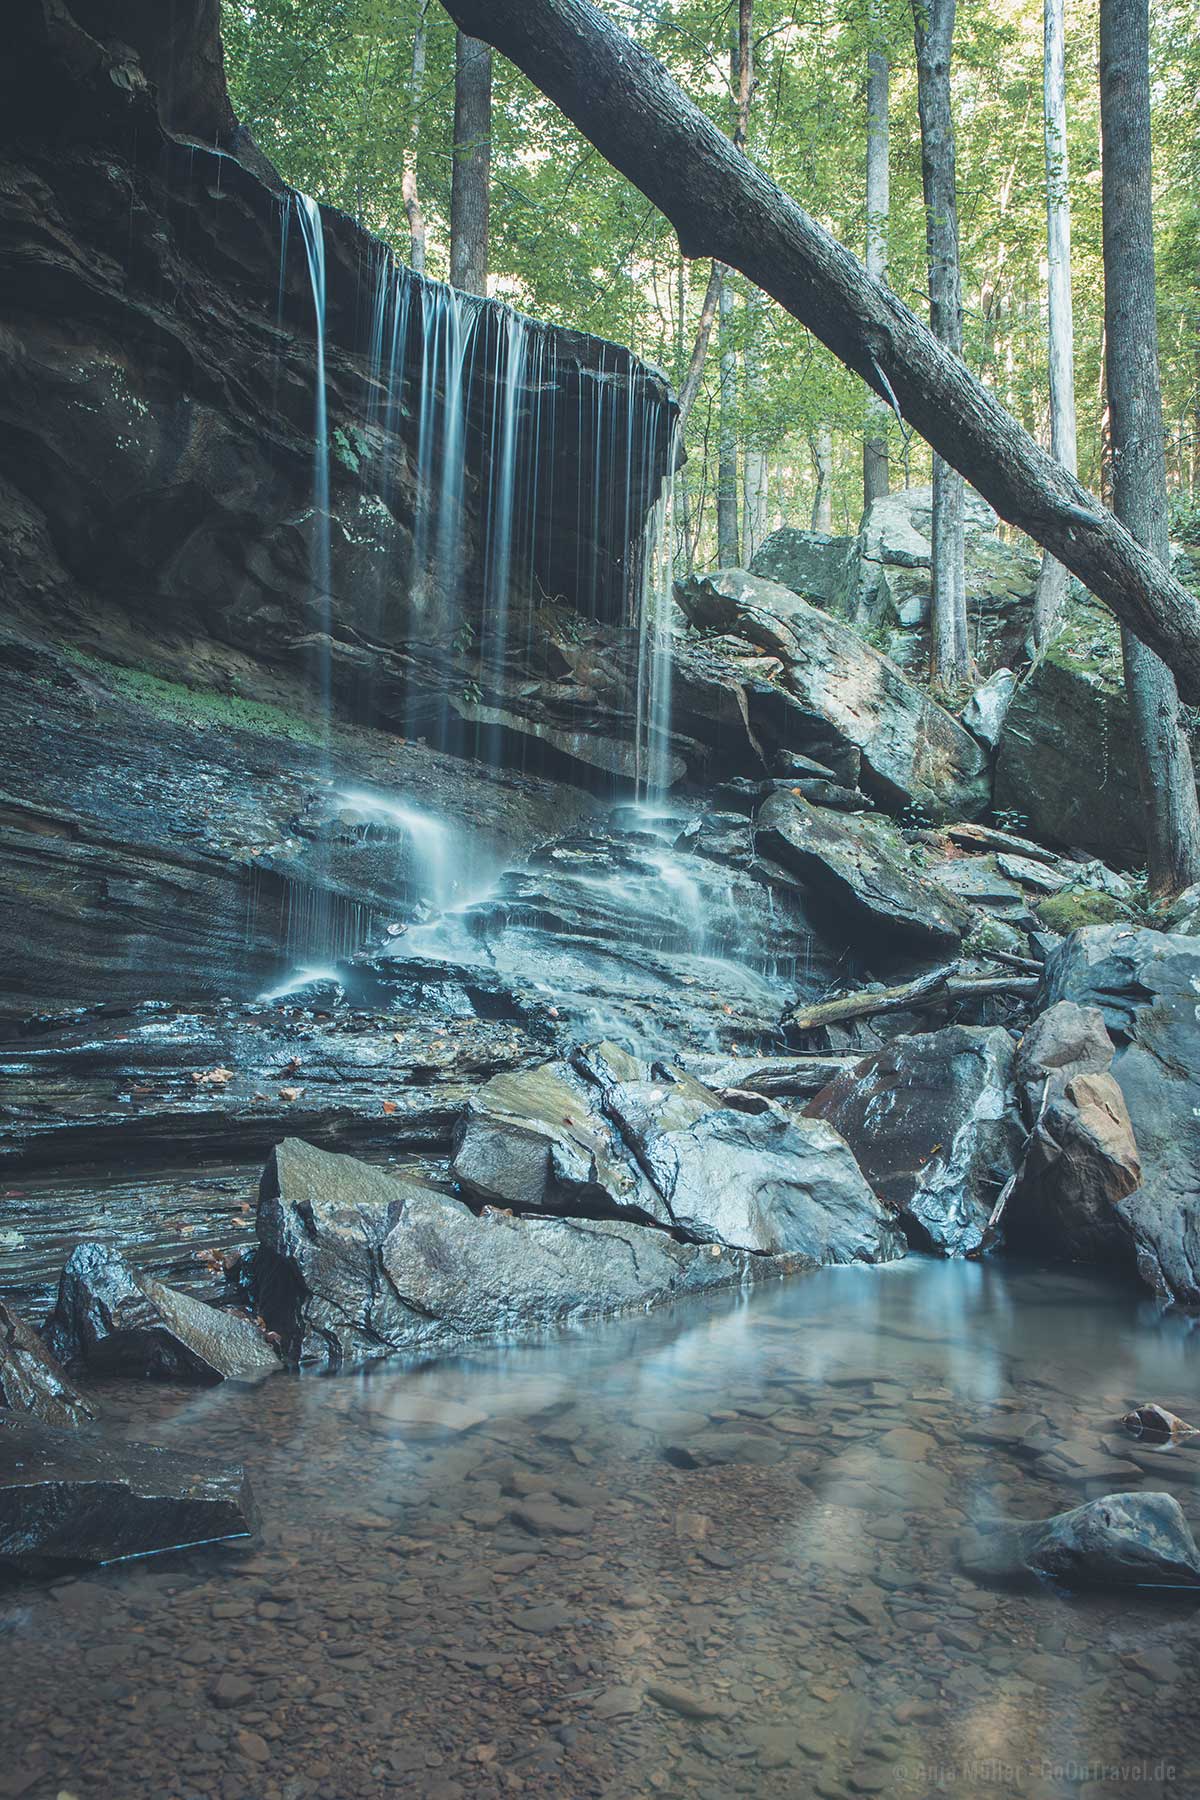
<point x="471" y="181"/>
<point x="821" y="444"/>
<point x="1052" y="578"/>
<point x="727" y="443"/>
<point x="1135" y="399"/>
<point x="949" y="652"/>
<point x="627" y="105"/>
<point x="754" y="459"/>
<point x="876" y="476"/>
<point x="408" y="184"/>
<point x="695" y="370"/>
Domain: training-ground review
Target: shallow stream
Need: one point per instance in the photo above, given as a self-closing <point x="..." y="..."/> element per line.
<point x="537" y="1570"/>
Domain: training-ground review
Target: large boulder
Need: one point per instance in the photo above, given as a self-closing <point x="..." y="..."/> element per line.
<point x="1065" y="759"/>
<point x="933" y="1122"/>
<point x="818" y="567"/>
<point x="358" y="1262"/>
<point x="859" y="867"/>
<point x="1122" y="1540"/>
<point x="117" y="1323"/>
<point x="1145" y="983"/>
<point x="74" y="1499"/>
<point x="537" y="1140"/>
<point x="765" y="1181"/>
<point x="1082" y="1157"/>
<point x="31" y="1381"/>
<point x="913" y="752"/>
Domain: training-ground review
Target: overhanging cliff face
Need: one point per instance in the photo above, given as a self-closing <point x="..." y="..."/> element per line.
<point x="157" y="388"/>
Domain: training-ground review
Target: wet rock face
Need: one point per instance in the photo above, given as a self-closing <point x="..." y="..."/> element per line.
<point x="913" y="752"/>
<point x="75" y="1499"/>
<point x="858" y="866"/>
<point x="1122" y="1540"/>
<point x="31" y="1381"/>
<point x="117" y="1323"/>
<point x="933" y="1122"/>
<point x="1145" y="984"/>
<point x="358" y="1262"/>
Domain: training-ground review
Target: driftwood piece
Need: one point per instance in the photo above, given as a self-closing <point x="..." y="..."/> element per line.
<point x="938" y="987"/>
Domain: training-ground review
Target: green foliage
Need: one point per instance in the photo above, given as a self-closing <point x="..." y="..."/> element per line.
<point x="203" y="707"/>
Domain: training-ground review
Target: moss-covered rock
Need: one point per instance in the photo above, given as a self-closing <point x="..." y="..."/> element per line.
<point x="1075" y="907"/>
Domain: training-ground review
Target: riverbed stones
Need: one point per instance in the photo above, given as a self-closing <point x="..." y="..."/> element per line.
<point x="1146" y="984"/>
<point x="861" y="867"/>
<point x="72" y="1499"/>
<point x="31" y="1381"/>
<point x="115" y="1322"/>
<point x="933" y="1122"/>
<point x="1120" y="1540"/>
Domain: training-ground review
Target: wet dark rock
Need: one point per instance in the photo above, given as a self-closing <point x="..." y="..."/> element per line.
<point x="1145" y="984"/>
<point x="72" y="1499"/>
<point x="358" y="1262"/>
<point x="713" y="1449"/>
<point x="1122" y="1540"/>
<point x="31" y="1381"/>
<point x="117" y="1323"/>
<point x="986" y="710"/>
<point x="913" y="752"/>
<point x="860" y="866"/>
<point x="934" y="1124"/>
<point x="766" y="1181"/>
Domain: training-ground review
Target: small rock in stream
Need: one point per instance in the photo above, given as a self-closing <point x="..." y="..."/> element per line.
<point x="31" y="1380"/>
<point x="1122" y="1540"/>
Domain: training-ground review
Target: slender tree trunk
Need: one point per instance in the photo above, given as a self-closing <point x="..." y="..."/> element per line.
<point x="727" y="443"/>
<point x="627" y="105"/>
<point x="950" y="657"/>
<point x="1135" y="399"/>
<point x="695" y="368"/>
<point x="754" y="460"/>
<point x="876" y="478"/>
<point x="408" y="184"/>
<point x="821" y="444"/>
<point x="471" y="181"/>
<point x="1052" y="578"/>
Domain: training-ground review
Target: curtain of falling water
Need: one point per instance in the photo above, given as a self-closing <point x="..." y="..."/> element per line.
<point x="654" y="618"/>
<point x="313" y="231"/>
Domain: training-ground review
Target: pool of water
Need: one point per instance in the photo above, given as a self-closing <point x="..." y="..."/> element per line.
<point x="704" y="1552"/>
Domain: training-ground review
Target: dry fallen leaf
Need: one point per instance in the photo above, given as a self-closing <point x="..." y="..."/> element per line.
<point x="389" y="1107"/>
<point x="212" y="1077"/>
<point x="290" y="1093"/>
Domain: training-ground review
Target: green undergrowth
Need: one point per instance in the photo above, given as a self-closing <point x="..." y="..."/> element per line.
<point x="1076" y="907"/>
<point x="198" y="706"/>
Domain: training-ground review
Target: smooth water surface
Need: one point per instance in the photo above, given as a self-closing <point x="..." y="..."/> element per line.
<point x="522" y="1572"/>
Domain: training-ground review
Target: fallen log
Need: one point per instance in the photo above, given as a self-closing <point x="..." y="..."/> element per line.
<point x="938" y="987"/>
<point x="723" y="207"/>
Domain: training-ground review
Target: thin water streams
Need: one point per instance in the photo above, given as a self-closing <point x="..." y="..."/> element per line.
<point x="696" y="1554"/>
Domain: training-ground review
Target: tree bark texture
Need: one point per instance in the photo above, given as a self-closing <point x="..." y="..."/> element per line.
<point x="754" y="456"/>
<point x="727" y="443"/>
<point x="821" y="444"/>
<point x="408" y="180"/>
<point x="876" y="475"/>
<point x="695" y="369"/>
<point x="949" y="651"/>
<point x="627" y="105"/>
<point x="1135" y="401"/>
<point x="1052" y="578"/>
<point x="471" y="181"/>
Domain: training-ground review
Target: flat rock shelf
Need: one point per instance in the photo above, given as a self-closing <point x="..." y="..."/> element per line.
<point x="722" y="1549"/>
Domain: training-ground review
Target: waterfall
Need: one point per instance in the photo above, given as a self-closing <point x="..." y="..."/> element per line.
<point x="655" y="626"/>
<point x="313" y="232"/>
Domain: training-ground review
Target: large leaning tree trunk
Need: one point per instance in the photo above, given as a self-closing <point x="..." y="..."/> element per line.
<point x="949" y="649"/>
<point x="1052" y="578"/>
<point x="627" y="105"/>
<point x="876" y="474"/>
<point x="1135" y="401"/>
<point x="471" y="179"/>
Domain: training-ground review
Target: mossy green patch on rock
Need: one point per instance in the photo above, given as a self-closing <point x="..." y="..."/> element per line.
<point x="199" y="706"/>
<point x="1075" y="907"/>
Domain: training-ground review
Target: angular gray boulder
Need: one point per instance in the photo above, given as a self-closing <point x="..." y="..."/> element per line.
<point x="859" y="867"/>
<point x="933" y="1122"/>
<point x="765" y="1181"/>
<point x="1147" y="986"/>
<point x="913" y="751"/>
<point x="357" y="1262"/>
<point x="31" y="1381"/>
<point x="117" y="1323"/>
<point x="76" y="1499"/>
<point x="1120" y="1541"/>
<point x="536" y="1139"/>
